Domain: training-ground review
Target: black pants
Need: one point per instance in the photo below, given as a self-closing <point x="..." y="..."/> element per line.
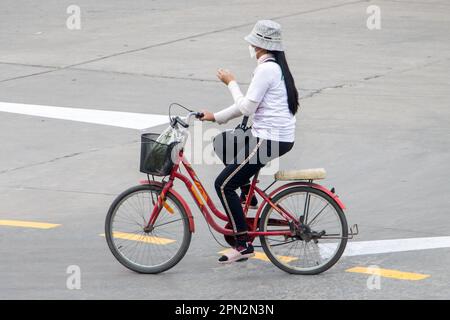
<point x="248" y="162"/>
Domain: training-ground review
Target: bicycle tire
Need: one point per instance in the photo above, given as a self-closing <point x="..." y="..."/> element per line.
<point x="150" y="269"/>
<point x="342" y="220"/>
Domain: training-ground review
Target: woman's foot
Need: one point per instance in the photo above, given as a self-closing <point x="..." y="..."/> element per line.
<point x="241" y="253"/>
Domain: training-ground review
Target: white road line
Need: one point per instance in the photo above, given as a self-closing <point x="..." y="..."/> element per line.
<point x="359" y="248"/>
<point x="129" y="120"/>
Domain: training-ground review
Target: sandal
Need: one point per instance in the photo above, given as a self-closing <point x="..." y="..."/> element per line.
<point x="238" y="254"/>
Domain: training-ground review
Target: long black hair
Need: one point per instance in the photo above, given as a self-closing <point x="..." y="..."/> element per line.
<point x="291" y="90"/>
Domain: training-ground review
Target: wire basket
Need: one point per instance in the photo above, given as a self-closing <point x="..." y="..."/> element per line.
<point x="156" y="157"/>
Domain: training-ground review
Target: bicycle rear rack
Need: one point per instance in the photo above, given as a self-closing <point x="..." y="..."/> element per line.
<point x="353" y="231"/>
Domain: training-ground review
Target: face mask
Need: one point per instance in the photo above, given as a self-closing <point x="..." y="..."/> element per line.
<point x="252" y="51"/>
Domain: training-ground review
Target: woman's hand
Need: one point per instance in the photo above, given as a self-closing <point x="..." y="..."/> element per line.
<point x="207" y="116"/>
<point x="225" y="76"/>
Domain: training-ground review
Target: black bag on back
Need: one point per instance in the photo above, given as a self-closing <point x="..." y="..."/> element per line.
<point x="230" y="142"/>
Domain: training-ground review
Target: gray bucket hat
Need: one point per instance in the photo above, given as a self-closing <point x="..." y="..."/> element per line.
<point x="266" y="34"/>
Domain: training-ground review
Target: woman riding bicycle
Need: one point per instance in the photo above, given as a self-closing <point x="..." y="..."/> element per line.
<point x="272" y="100"/>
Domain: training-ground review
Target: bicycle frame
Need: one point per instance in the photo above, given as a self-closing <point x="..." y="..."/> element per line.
<point x="205" y="203"/>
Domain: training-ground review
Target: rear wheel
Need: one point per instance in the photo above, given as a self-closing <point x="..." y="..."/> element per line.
<point x="141" y="249"/>
<point x="320" y="241"/>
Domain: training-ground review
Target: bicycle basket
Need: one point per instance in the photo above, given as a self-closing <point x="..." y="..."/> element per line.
<point x="156" y="157"/>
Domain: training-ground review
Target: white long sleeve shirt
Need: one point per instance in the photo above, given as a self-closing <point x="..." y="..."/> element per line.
<point x="266" y="100"/>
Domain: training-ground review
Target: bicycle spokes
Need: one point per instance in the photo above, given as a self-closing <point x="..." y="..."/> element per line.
<point x="137" y="241"/>
<point x="308" y="248"/>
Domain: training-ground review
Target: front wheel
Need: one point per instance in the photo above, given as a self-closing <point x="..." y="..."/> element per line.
<point x="319" y="241"/>
<point x="142" y="249"/>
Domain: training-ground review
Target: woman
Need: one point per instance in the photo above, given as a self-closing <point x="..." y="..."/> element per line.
<point x="272" y="100"/>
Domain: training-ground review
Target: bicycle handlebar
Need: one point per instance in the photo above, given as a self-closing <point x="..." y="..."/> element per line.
<point x="185" y="124"/>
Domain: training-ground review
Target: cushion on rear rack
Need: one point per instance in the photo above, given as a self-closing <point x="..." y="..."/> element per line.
<point x="304" y="174"/>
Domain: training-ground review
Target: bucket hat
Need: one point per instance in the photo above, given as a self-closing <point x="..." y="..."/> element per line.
<point x="266" y="34"/>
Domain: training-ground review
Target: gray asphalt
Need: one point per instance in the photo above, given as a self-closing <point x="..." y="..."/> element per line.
<point x="374" y="114"/>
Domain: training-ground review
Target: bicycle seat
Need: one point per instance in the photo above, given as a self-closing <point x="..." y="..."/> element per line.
<point x="303" y="174"/>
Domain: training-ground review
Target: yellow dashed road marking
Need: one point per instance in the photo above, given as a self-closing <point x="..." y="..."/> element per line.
<point x="388" y="273"/>
<point x="28" y="224"/>
<point x="141" y="238"/>
<point x="262" y="256"/>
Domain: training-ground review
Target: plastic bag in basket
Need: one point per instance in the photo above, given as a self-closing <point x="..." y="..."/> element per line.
<point x="168" y="136"/>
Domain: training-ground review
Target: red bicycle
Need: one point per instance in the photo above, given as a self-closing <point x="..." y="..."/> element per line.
<point x="301" y="225"/>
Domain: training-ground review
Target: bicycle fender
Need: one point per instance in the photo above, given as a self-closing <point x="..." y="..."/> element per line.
<point x="179" y="198"/>
<point x="313" y="185"/>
